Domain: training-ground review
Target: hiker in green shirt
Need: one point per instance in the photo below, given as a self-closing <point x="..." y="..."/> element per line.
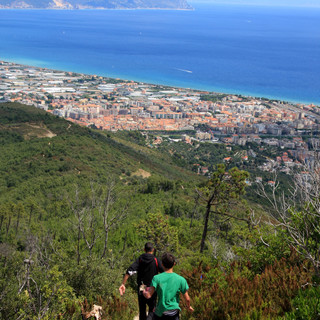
<point x="168" y="286"/>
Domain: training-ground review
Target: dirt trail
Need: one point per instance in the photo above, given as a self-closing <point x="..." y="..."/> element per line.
<point x="142" y="173"/>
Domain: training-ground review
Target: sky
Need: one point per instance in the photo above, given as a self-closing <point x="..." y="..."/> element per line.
<point x="299" y="3"/>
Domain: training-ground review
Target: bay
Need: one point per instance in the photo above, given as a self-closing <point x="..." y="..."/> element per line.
<point x="271" y="52"/>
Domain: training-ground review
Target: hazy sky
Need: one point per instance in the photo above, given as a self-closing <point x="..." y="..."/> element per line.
<point x="303" y="3"/>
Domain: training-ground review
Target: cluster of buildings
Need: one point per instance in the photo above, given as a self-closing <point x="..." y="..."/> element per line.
<point x="292" y="151"/>
<point x="114" y="104"/>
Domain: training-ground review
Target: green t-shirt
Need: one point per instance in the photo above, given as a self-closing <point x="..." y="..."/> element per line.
<point x="168" y="287"/>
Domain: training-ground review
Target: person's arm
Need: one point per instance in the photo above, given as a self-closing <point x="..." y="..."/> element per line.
<point x="122" y="288"/>
<point x="148" y="292"/>
<point x="187" y="299"/>
<point x="131" y="270"/>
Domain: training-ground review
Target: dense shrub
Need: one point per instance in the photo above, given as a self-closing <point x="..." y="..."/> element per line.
<point x="229" y="294"/>
<point x="306" y="305"/>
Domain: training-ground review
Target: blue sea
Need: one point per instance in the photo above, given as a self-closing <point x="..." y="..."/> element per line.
<point x="261" y="51"/>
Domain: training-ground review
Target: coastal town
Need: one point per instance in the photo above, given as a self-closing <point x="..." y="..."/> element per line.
<point x="115" y="104"/>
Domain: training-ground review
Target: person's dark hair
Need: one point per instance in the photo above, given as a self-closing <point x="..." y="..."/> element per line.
<point x="148" y="247"/>
<point x="168" y="260"/>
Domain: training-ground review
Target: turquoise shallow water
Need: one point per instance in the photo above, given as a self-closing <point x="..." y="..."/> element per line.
<point x="261" y="51"/>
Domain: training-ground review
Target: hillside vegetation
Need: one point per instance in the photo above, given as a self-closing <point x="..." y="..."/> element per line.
<point x="77" y="205"/>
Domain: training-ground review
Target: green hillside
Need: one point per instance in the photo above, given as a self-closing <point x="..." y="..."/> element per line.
<point x="77" y="205"/>
<point x="52" y="171"/>
<point x="37" y="147"/>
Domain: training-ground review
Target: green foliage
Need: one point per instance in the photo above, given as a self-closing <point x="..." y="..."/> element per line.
<point x="306" y="232"/>
<point x="93" y="277"/>
<point x="205" y="154"/>
<point x="11" y="264"/>
<point x="9" y="137"/>
<point x="15" y="112"/>
<point x="263" y="246"/>
<point x="217" y="195"/>
<point x="220" y="294"/>
<point x="157" y="184"/>
<point x="306" y="305"/>
<point x="38" y="181"/>
<point x="48" y="297"/>
<point x="134" y="136"/>
<point x="156" y="228"/>
<point x="225" y="185"/>
<point x="67" y="233"/>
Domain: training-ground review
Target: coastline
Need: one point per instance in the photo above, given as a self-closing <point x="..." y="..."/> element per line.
<point x="114" y="104"/>
<point x="210" y="89"/>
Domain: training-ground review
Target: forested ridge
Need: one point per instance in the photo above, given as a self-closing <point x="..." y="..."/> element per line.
<point x="77" y="205"/>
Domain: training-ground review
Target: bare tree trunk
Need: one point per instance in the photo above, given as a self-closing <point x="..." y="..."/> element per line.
<point x="87" y="216"/>
<point x="105" y="243"/>
<point x="205" y="228"/>
<point x="30" y="215"/>
<point x="1" y="221"/>
<point x="89" y="240"/>
<point x="8" y="224"/>
<point x="298" y="211"/>
<point x="78" y="244"/>
<point x="18" y="222"/>
<point x="125" y="241"/>
<point x="107" y="203"/>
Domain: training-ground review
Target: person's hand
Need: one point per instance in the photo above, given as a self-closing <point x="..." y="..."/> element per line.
<point x="122" y="289"/>
<point x="190" y="309"/>
<point x="146" y="293"/>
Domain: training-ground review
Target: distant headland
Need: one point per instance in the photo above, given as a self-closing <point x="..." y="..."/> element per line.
<point x="95" y="4"/>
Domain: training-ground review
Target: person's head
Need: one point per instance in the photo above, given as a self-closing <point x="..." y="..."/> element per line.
<point x="148" y="247"/>
<point x="168" y="260"/>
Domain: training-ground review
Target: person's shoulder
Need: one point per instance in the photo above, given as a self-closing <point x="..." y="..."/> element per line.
<point x="177" y="275"/>
<point x="160" y="275"/>
<point x="156" y="278"/>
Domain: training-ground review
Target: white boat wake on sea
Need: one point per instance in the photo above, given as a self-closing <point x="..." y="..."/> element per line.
<point x="183" y="70"/>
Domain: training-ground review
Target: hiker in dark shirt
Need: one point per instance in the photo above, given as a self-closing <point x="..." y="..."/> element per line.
<point x="147" y="266"/>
